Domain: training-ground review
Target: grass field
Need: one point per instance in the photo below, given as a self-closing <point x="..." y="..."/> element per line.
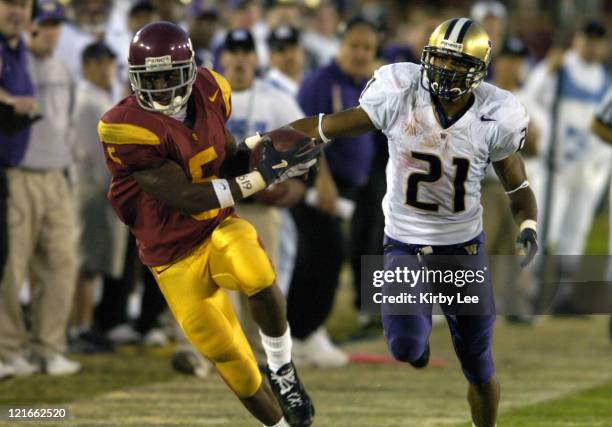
<point x="556" y="373"/>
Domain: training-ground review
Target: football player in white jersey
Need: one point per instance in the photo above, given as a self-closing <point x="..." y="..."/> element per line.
<point x="444" y="127"/>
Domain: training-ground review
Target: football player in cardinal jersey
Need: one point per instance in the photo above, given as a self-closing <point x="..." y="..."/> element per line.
<point x="444" y="126"/>
<point x="166" y="146"/>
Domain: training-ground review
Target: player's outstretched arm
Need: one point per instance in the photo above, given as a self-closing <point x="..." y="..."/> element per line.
<point x="169" y="183"/>
<point x="511" y="172"/>
<point x="347" y="123"/>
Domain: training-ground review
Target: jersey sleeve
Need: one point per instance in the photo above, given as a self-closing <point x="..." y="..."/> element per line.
<point x="226" y="92"/>
<point x="129" y="147"/>
<point x="382" y="95"/>
<point x="510" y="132"/>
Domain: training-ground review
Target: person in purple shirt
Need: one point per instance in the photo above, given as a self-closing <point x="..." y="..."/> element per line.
<point x="16" y="88"/>
<point x="17" y="104"/>
<point x="321" y="245"/>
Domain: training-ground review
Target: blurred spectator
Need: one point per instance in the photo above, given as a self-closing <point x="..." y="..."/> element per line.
<point x="321" y="38"/>
<point x="493" y="16"/>
<point x="172" y="11"/>
<point x="241" y="14"/>
<point x="139" y="14"/>
<point x="412" y="35"/>
<point x="285" y="12"/>
<point x="43" y="240"/>
<point x="321" y="245"/>
<point x="17" y="100"/>
<point x="286" y="59"/>
<point x="87" y="26"/>
<point x="577" y="81"/>
<point x="258" y="107"/>
<point x="246" y="14"/>
<point x="577" y="166"/>
<point x="103" y="237"/>
<point x="202" y="32"/>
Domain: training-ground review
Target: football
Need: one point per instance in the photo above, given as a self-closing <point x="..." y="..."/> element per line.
<point x="282" y="140"/>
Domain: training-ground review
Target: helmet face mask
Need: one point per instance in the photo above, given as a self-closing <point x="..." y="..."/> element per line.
<point x="455" y="60"/>
<point x="164" y="91"/>
<point x="162" y="68"/>
<point x="449" y="75"/>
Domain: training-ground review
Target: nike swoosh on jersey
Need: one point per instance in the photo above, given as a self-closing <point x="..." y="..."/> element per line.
<point x="281" y="165"/>
<point x="486" y="119"/>
<point x="214" y="96"/>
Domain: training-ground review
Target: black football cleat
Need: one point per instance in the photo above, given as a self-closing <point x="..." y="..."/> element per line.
<point x="293" y="399"/>
<point x="422" y="361"/>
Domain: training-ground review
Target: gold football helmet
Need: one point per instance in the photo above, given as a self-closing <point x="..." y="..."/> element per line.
<point x="455" y="59"/>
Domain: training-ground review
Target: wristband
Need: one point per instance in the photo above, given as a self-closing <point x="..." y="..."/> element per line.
<point x="250" y="183"/>
<point x="528" y="223"/>
<point x="524" y="184"/>
<point x="321" y="134"/>
<point x="223" y="192"/>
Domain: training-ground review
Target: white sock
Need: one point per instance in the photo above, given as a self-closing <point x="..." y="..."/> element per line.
<point x="278" y="349"/>
<point x="281" y="423"/>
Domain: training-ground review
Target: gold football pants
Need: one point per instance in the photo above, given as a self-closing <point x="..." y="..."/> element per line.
<point x="231" y="258"/>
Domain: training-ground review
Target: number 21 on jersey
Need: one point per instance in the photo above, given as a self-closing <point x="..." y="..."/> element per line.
<point x="462" y="166"/>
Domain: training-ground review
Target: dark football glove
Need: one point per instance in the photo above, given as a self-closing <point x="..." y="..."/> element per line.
<point x="527" y="245"/>
<point x="276" y="166"/>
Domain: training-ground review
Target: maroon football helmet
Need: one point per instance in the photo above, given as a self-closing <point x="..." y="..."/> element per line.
<point x="162" y="67"/>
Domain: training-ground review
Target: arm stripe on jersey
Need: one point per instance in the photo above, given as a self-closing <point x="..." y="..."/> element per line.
<point x="124" y="133"/>
<point x="464" y="29"/>
<point x="454" y="35"/>
<point x="450" y="27"/>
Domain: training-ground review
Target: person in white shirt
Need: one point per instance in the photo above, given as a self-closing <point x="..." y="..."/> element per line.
<point x="286" y="59"/>
<point x="88" y="26"/>
<point x="581" y="163"/>
<point x="258" y="107"/>
<point x="103" y="239"/>
<point x="322" y="40"/>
